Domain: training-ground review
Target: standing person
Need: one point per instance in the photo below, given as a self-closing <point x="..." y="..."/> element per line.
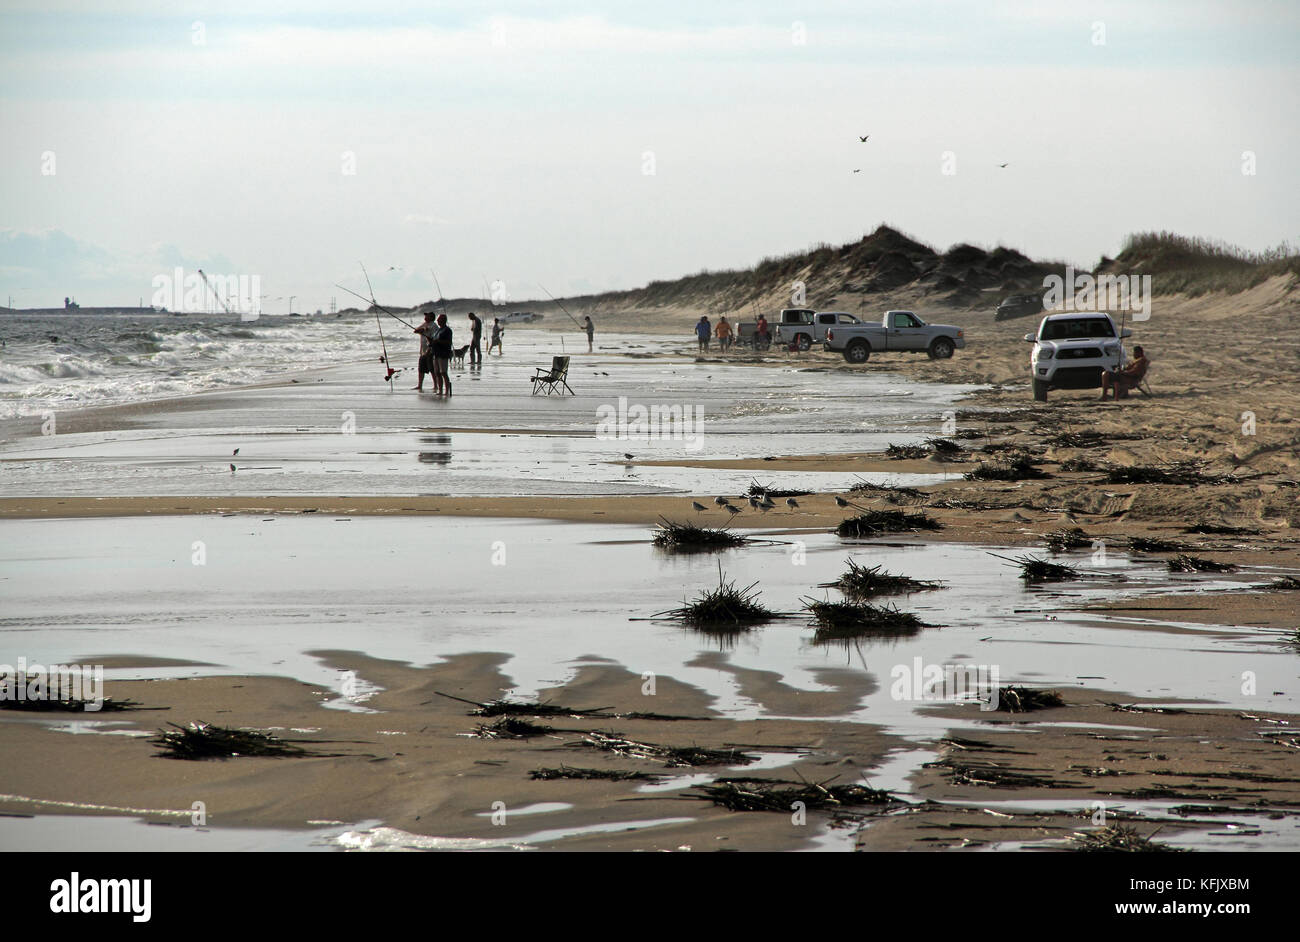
<point x="475" y="340"/>
<point x="497" y="331"/>
<point x="441" y="343"/>
<point x="425" y="363"/>
<point x="761" y="332"/>
<point x="703" y="330"/>
<point x="591" y="330"/>
<point x="724" y="335"/>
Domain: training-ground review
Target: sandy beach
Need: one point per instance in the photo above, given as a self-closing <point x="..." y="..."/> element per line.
<point x="496" y="545"/>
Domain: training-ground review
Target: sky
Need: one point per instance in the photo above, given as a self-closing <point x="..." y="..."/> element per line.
<point x="570" y="147"/>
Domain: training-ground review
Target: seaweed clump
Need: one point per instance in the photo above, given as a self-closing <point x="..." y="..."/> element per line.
<point x="204" y="741"/>
<point x="724" y="608"/>
<point x="1026" y="699"/>
<point x="1118" y="838"/>
<point x="672" y="756"/>
<point x="759" y="794"/>
<point x="1036" y="569"/>
<point x="876" y="522"/>
<point x="842" y="620"/>
<point x="689" y="538"/>
<point x="1185" y="563"/>
<point x="1059" y="541"/>
<point x="609" y="775"/>
<point x="1018" y="466"/>
<point x="861" y="582"/>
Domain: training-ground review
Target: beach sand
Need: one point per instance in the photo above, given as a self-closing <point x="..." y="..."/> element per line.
<point x="1225" y="395"/>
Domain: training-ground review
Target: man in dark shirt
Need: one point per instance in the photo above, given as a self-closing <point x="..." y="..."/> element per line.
<point x="425" y="363"/>
<point x="440" y="341"/>
<point x="475" y="340"/>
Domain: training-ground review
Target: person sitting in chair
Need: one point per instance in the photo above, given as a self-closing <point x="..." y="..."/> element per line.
<point x="1127" y="378"/>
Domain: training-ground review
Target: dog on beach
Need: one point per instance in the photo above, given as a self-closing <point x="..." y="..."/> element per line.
<point x="458" y="356"/>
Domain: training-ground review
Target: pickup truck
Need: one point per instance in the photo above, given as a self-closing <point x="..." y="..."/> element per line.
<point x="802" y="327"/>
<point x="898" y="330"/>
<point x="1072" y="350"/>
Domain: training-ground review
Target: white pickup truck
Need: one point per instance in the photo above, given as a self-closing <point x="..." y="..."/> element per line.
<point x="1072" y="350"/>
<point x="803" y="327"/>
<point x="898" y="331"/>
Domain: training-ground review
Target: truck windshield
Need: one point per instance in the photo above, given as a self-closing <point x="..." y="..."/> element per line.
<point x="1081" y="328"/>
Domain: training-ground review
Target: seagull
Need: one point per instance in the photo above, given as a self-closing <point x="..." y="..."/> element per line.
<point x="698" y="506"/>
<point x="857" y="171"/>
<point x="232" y="469"/>
<point x="791" y="503"/>
<point x="1004" y="165"/>
<point x="720" y="501"/>
<point x="863" y="139"/>
<point x="235" y="452"/>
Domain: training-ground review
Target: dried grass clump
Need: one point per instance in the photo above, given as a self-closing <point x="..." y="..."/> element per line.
<point x="837" y="621"/>
<point x="944" y="446"/>
<point x="672" y="756"/>
<point x="876" y="522"/>
<point x="1117" y="838"/>
<point x="759" y="794"/>
<point x="905" y="452"/>
<point x="1036" y="569"/>
<point x="1018" y="466"/>
<point x="609" y="775"/>
<point x="203" y="741"/>
<point x="1027" y="699"/>
<point x="1220" y="530"/>
<point x="1059" y="541"/>
<point x="511" y="727"/>
<point x="1285" y="583"/>
<point x="760" y="490"/>
<point x="1144" y="544"/>
<point x="861" y="582"/>
<point x="689" y="538"/>
<point x="724" y="608"/>
<point x="1185" y="563"/>
<point x="1190" y="471"/>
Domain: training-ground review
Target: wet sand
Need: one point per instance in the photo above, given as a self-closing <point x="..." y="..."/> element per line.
<point x="1233" y="764"/>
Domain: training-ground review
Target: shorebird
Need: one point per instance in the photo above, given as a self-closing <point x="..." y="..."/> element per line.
<point x="791" y="503"/>
<point x="235" y="452"/>
<point x="628" y="457"/>
<point x="731" y="509"/>
<point x="753" y="501"/>
<point x="232" y="469"/>
<point x="841" y="502"/>
<point x="698" y="506"/>
<point x="767" y="504"/>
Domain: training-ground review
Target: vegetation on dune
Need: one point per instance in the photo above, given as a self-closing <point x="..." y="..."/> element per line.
<point x="1194" y="266"/>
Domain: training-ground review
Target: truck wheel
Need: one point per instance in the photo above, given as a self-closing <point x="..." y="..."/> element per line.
<point x="941" y="349"/>
<point x="858" y="351"/>
<point x="1040" y="391"/>
<point x="803" y="342"/>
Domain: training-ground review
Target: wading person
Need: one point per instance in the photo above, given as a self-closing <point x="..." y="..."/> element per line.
<point x="702" y="332"/>
<point x="1127" y="378"/>
<point x="590" y="328"/>
<point x="497" y="331"/>
<point x="441" y="343"/>
<point x="425" y="363"/>
<point x="475" y="339"/>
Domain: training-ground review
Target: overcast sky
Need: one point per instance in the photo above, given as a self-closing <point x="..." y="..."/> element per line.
<point x="586" y="148"/>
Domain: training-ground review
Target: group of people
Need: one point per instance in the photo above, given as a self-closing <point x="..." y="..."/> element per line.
<point x="726" y="334"/>
<point x="436" y="348"/>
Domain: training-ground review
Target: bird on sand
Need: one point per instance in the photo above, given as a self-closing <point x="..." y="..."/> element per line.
<point x="766" y="504"/>
<point x="235" y="452"/>
<point x="232" y="469"/>
<point x="698" y="506"/>
<point x="628" y="457"/>
<point x="791" y="503"/>
<point x="753" y="501"/>
<point x="841" y="502"/>
<point x="720" y="501"/>
<point x="731" y="509"/>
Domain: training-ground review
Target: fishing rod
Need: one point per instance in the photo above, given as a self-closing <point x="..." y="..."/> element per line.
<point x="439" y="287"/>
<point x="561" y="306"/>
<point x="375" y="303"/>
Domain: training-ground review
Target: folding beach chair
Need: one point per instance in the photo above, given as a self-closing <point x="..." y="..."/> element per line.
<point x="556" y="376"/>
<point x="1144" y="386"/>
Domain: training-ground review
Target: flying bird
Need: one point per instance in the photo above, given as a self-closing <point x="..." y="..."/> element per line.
<point x="232" y="469"/>
<point x="235" y="452"/>
<point x="857" y="171"/>
<point x="628" y="457"/>
<point x="863" y="139"/>
<point x="1004" y="165"/>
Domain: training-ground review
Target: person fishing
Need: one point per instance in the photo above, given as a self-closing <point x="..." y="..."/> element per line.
<point x="475" y="340"/>
<point x="590" y="328"/>
<point x="441" y="342"/>
<point x="497" y="332"/>
<point x="425" y="363"/>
